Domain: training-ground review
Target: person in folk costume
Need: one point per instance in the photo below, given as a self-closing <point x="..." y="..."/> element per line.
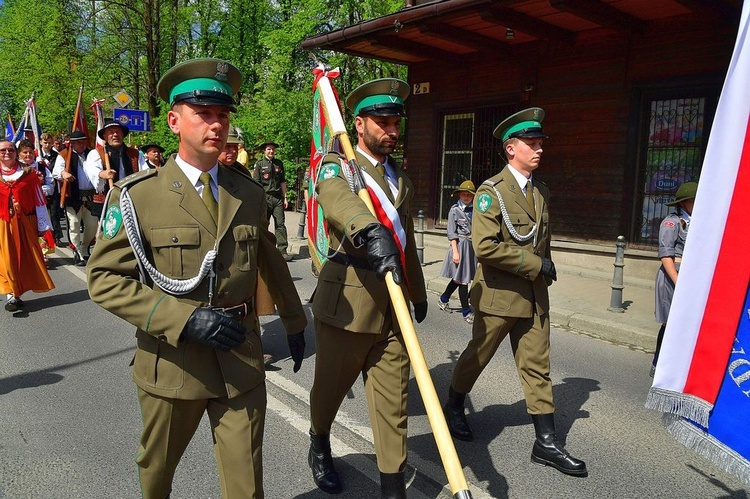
<point x="27" y="158"/>
<point x="460" y="262"/>
<point x="47" y="156"/>
<point x="23" y="218"/>
<point x="153" y="154"/>
<point x="122" y="160"/>
<point x="79" y="196"/>
<point x="672" y="234"/>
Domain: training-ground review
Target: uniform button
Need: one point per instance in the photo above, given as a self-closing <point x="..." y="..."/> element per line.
<point x="220" y="266"/>
<point x="175" y="239"/>
<point x="352" y="227"/>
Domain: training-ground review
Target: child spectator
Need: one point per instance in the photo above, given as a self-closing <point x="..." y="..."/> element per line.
<point x="460" y="262"/>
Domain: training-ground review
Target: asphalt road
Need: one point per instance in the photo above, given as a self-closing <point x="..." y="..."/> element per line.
<point x="69" y="419"/>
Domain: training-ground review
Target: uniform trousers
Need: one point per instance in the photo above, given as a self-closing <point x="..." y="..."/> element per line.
<point x="237" y="428"/>
<point x="529" y="340"/>
<point x="75" y="219"/>
<point x="276" y="210"/>
<point x="384" y="364"/>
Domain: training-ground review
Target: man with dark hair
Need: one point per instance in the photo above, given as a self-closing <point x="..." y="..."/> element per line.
<point x="269" y="172"/>
<point x="357" y="333"/>
<point x="47" y="157"/>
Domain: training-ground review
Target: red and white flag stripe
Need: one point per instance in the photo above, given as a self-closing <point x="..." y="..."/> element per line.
<point x="715" y="269"/>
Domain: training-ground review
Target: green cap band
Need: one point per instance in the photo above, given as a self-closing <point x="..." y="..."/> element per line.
<point x="374" y="100"/>
<point x="520" y="126"/>
<point x="208" y="84"/>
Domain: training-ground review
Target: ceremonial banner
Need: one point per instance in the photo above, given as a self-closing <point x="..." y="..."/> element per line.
<point x="320" y="145"/>
<point x="703" y="373"/>
<point x="10" y="132"/>
<point x="99" y="117"/>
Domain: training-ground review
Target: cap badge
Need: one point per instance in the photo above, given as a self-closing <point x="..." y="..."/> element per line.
<point x="394" y="87"/>
<point x="536" y="114"/>
<point x="222" y="68"/>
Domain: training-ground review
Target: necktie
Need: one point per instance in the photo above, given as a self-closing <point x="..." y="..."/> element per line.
<point x="208" y="196"/>
<point x="530" y="196"/>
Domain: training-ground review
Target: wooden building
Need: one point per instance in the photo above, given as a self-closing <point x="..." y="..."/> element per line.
<point x="629" y="88"/>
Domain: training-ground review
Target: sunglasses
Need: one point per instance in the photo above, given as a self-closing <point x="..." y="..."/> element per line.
<point x="7" y="150"/>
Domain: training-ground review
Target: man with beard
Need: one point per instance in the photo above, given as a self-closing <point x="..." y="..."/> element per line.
<point x="357" y="333"/>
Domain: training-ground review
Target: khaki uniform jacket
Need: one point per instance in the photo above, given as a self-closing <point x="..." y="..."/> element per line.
<point x="347" y="296"/>
<point x="177" y="232"/>
<point x="508" y="282"/>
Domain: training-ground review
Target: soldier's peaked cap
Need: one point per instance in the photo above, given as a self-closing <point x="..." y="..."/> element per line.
<point x="203" y="82"/>
<point x="526" y="124"/>
<point x="383" y="97"/>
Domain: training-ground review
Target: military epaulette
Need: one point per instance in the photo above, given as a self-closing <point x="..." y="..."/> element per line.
<point x="244" y="173"/>
<point x="136" y="177"/>
<point x="539" y="181"/>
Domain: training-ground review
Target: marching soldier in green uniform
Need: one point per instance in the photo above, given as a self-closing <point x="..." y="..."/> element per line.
<point x="269" y="172"/>
<point x="511" y="238"/>
<point x="357" y="333"/>
<point x="178" y="256"/>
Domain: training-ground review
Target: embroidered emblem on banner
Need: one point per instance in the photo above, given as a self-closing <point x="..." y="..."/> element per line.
<point x="484" y="201"/>
<point x="112" y="222"/>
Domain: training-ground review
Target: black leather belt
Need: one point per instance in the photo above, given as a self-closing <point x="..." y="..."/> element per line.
<point x="240" y="311"/>
<point x="348" y="260"/>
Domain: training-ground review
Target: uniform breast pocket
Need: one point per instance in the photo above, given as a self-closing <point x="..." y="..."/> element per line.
<point x="520" y="219"/>
<point x="176" y="250"/>
<point x="246" y="247"/>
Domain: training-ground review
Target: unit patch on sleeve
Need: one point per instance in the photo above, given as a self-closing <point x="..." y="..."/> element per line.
<point x="112" y="221"/>
<point x="484" y="201"/>
<point x="330" y="170"/>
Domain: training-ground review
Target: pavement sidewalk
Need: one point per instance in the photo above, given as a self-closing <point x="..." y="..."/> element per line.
<point x="578" y="299"/>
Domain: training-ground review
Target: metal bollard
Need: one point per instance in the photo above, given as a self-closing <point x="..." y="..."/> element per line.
<point x="615" y="302"/>
<point x="302" y="222"/>
<point x="419" y="236"/>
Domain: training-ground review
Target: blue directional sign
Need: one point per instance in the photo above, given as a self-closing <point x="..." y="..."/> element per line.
<point x="136" y="120"/>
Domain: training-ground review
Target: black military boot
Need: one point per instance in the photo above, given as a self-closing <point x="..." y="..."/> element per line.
<point x="455" y="417"/>
<point x="547" y="452"/>
<point x="320" y="461"/>
<point x="392" y="486"/>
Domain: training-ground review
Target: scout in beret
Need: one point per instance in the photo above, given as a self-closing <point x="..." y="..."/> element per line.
<point x="195" y="231"/>
<point x="366" y="251"/>
<point x="511" y="234"/>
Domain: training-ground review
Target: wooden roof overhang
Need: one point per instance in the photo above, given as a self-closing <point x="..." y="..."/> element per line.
<point x="452" y="30"/>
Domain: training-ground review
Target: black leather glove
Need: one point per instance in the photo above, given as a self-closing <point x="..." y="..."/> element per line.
<point x="420" y="311"/>
<point x="548" y="269"/>
<point x="297" y="348"/>
<point x="382" y="252"/>
<point x="214" y="328"/>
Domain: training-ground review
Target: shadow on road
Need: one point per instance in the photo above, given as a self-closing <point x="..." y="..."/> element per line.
<point x="49" y="375"/>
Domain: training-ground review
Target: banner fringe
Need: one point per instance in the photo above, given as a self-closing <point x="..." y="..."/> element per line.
<point x="707" y="446"/>
<point x="680" y="404"/>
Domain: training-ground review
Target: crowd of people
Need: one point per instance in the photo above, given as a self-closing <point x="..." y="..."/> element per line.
<point x="192" y="279"/>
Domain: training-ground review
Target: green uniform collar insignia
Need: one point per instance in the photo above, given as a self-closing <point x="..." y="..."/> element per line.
<point x="330" y="170"/>
<point x="484" y="201"/>
<point x="112" y="222"/>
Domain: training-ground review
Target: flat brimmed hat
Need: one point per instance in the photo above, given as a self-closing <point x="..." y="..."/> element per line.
<point x="203" y="82"/>
<point x="144" y="149"/>
<point x="526" y="124"/>
<point x="266" y="144"/>
<point x="109" y="123"/>
<point x="466" y="186"/>
<point x="684" y="192"/>
<point x="383" y="97"/>
<point x="233" y="137"/>
<point x="77" y="135"/>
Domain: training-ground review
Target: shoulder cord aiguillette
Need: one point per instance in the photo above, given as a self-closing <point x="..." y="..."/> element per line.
<point x="506" y="219"/>
<point x="169" y="285"/>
